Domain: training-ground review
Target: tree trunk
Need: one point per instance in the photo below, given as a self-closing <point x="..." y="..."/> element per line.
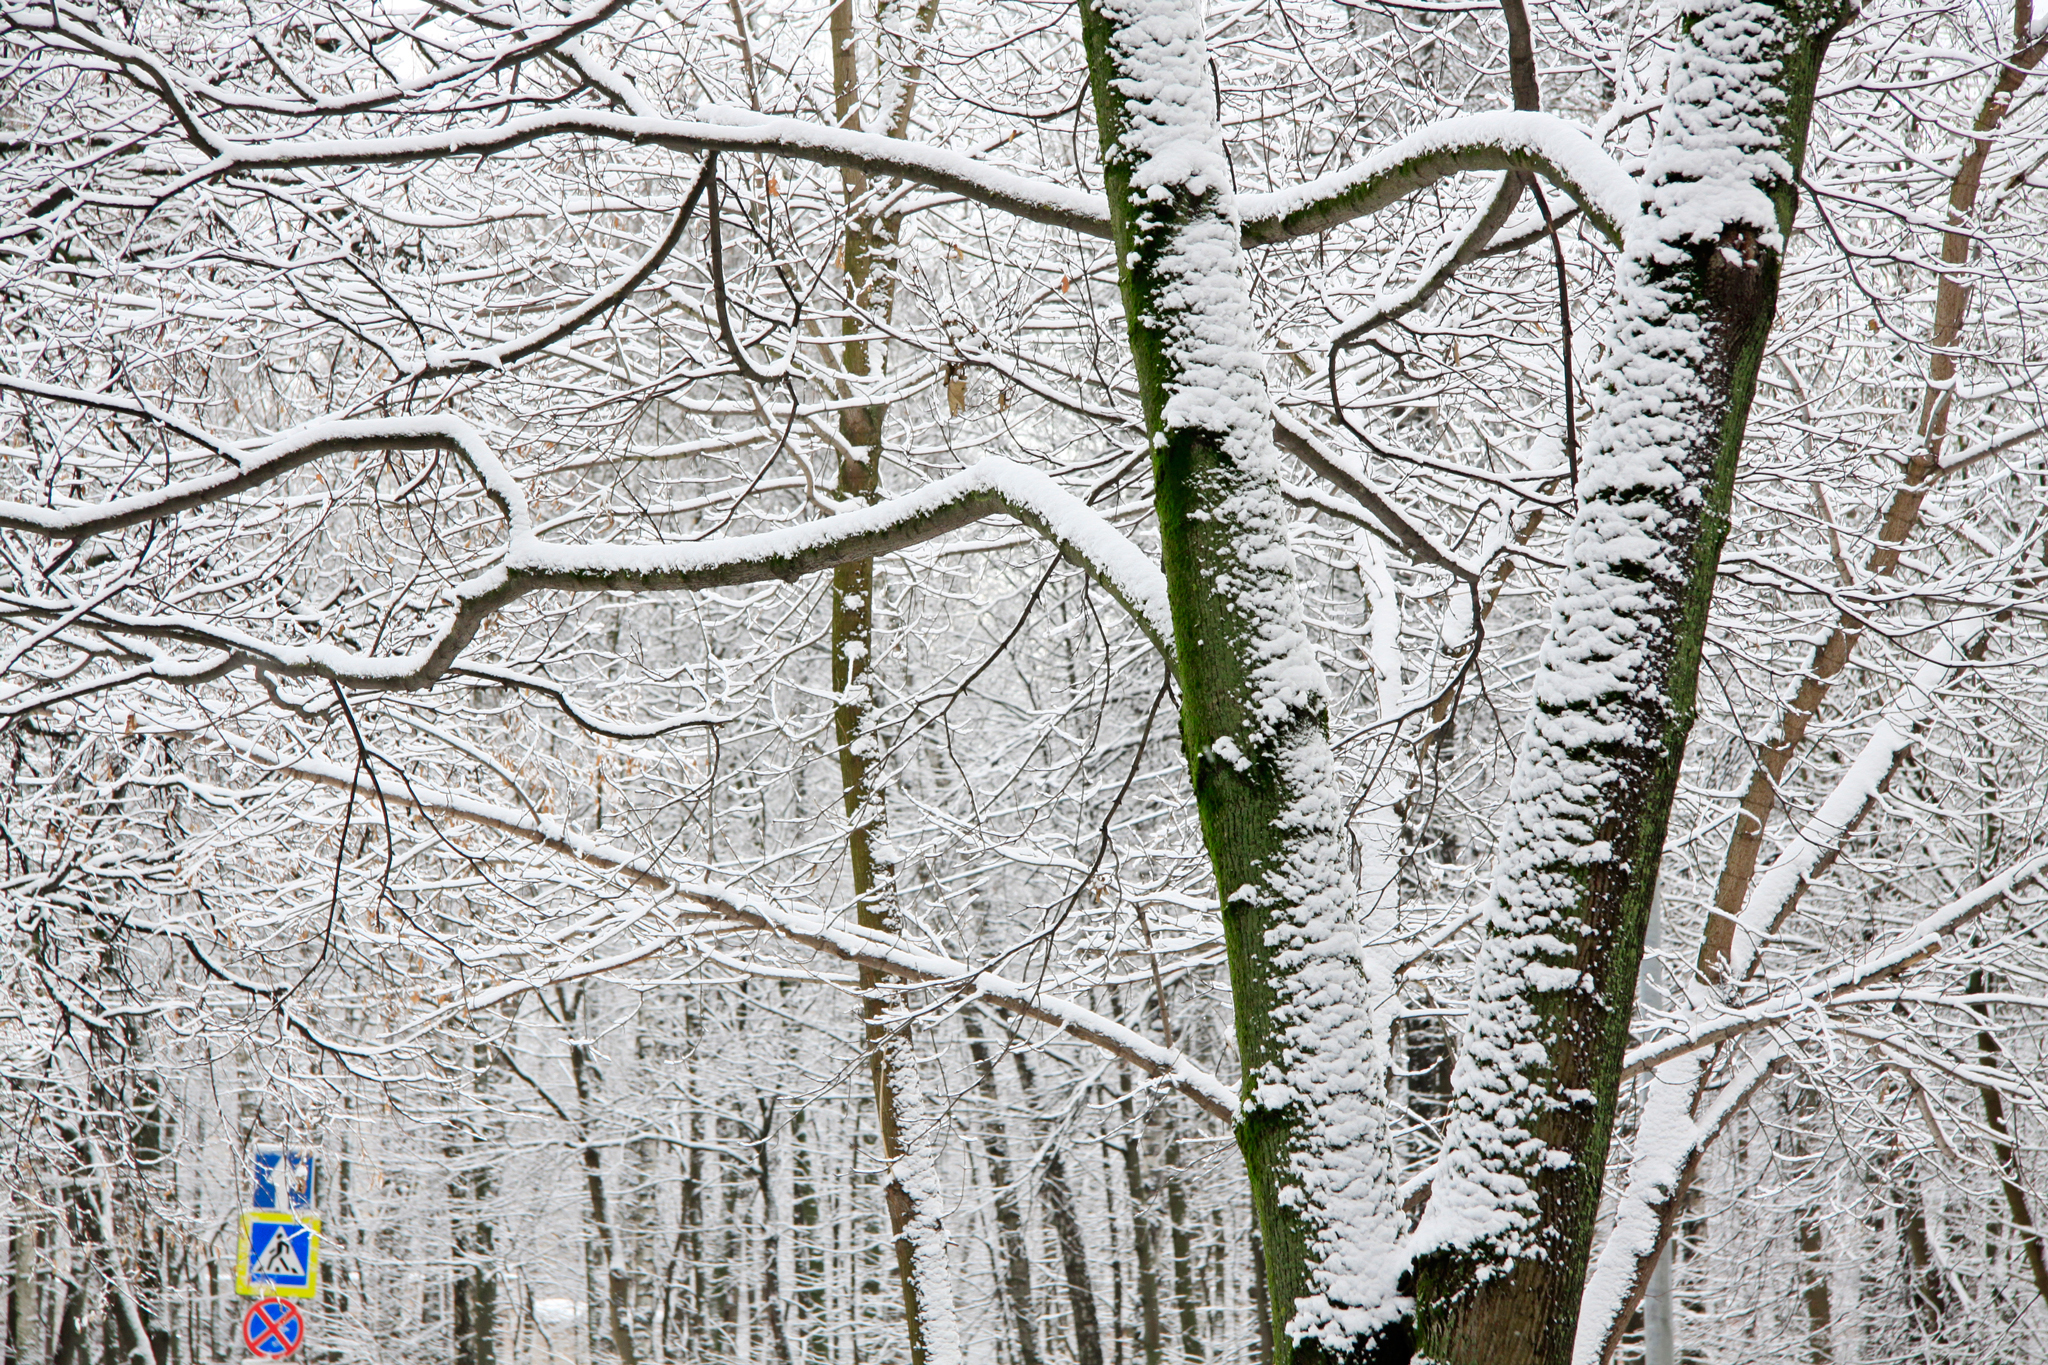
<point x="1512" y="1212"/>
<point x="1253" y="717"/>
<point x="470" y="1188"/>
<point x="2003" y="1147"/>
<point x="1016" y="1267"/>
<point x="1058" y="1195"/>
<point x="1183" y="1258"/>
<point x="1262" y="1303"/>
<point x="909" y="1187"/>
<point x="617" y="1283"/>
<point x="24" y="1338"/>
<point x="1144" y="1230"/>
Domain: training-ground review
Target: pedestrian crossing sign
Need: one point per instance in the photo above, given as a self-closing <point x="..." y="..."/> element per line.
<point x="279" y="1254"/>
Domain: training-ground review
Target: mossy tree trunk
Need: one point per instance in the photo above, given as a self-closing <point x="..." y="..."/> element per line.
<point x="1253" y="718"/>
<point x="1511" y="1216"/>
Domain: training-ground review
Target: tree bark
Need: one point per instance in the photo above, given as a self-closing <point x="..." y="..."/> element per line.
<point x="1512" y="1212"/>
<point x="1183" y="1258"/>
<point x="23" y="1310"/>
<point x="1144" y="1231"/>
<point x="2006" y="1150"/>
<point x="1253" y="716"/>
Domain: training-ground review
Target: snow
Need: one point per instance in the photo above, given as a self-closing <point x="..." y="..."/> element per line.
<point x="1332" y="988"/>
<point x="809" y="926"/>
<point x="716" y="128"/>
<point x="1668" y="1137"/>
<point x="1471" y="142"/>
<point x="1707" y="1027"/>
<point x="914" y="1170"/>
<point x="1573" y="160"/>
<point x="1776" y="889"/>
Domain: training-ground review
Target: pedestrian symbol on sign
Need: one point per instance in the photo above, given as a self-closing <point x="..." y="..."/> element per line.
<point x="280" y="1254"/>
<point x="277" y="1262"/>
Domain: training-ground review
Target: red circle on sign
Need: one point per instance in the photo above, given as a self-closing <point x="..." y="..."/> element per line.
<point x="273" y="1329"/>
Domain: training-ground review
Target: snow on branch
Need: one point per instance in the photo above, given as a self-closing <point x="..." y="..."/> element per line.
<point x="715" y="129"/>
<point x="1543" y="144"/>
<point x="1670" y="1143"/>
<point x="1906" y="950"/>
<point x="529" y="42"/>
<point x="808" y="927"/>
<point x="1776" y="891"/>
<point x="529" y="564"/>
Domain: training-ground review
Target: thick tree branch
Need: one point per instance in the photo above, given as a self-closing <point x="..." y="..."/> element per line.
<point x="1519" y="140"/>
<point x="529" y="564"/>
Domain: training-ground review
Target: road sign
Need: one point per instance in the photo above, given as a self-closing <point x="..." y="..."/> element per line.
<point x="273" y="1329"/>
<point x="284" y="1180"/>
<point x="279" y="1254"/>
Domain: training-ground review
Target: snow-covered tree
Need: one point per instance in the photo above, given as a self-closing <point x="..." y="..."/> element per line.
<point x="1564" y="472"/>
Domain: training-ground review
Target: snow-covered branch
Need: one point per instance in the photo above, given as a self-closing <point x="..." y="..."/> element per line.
<point x="1906" y="950"/>
<point x="530" y="564"/>
<point x="811" y="928"/>
<point x="1540" y="144"/>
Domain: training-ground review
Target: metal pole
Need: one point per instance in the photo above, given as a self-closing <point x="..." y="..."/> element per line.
<point x="1658" y="1339"/>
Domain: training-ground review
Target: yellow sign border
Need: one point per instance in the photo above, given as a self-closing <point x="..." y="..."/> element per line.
<point x="266" y="1288"/>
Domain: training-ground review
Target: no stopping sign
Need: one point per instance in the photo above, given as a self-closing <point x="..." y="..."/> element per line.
<point x="273" y="1328"/>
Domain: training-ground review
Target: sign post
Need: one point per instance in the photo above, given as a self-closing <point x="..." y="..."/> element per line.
<point x="277" y="1256"/>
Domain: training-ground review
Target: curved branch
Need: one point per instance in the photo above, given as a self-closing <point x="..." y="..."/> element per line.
<point x="530" y="564"/>
<point x="611" y="296"/>
<point x="717" y="129"/>
<point x="1518" y="140"/>
<point x="1536" y="143"/>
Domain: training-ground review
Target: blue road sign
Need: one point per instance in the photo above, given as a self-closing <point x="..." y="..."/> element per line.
<point x="273" y="1328"/>
<point x="280" y="1254"/>
<point x="284" y="1179"/>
